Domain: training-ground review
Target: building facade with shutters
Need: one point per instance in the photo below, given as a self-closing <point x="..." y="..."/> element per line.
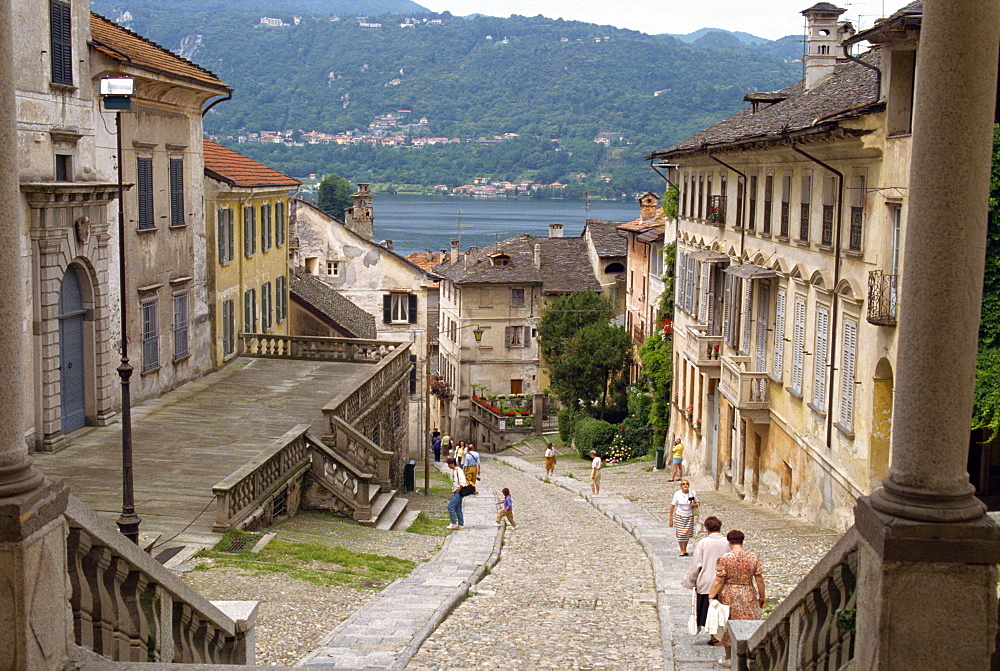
<point x="788" y="259"/>
<point x="247" y="234"/>
<point x="166" y="251"/>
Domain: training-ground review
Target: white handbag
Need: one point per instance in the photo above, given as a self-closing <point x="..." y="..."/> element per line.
<point x="693" y="627"/>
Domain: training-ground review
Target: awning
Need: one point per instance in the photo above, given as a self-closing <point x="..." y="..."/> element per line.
<point x="650" y="236"/>
<point x="711" y="257"/>
<point x="750" y="272"/>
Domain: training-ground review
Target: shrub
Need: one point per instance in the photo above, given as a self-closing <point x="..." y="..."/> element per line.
<point x="593" y="434"/>
<point x="631" y="441"/>
<point x="567" y="420"/>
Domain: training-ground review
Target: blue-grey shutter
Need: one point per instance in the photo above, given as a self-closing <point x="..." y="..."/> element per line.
<point x="220" y="220"/>
<point x="177" y="192"/>
<point x="279" y="224"/>
<point x="387" y="308"/>
<point x="230" y="237"/>
<point x="61" y="42"/>
<point x="412" y="311"/>
<point x="144" y="174"/>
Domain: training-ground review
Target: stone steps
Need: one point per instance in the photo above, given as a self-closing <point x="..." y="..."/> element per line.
<point x="391" y="513"/>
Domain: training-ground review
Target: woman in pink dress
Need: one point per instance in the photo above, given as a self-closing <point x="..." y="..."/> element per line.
<point x="735" y="575"/>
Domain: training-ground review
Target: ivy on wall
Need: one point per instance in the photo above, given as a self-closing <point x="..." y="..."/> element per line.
<point x="986" y="411"/>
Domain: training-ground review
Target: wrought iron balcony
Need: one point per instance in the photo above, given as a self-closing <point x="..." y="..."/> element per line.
<point x="883" y="298"/>
<point x="717" y="209"/>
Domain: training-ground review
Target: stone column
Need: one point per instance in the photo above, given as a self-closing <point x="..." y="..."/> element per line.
<point x="35" y="617"/>
<point x="927" y="575"/>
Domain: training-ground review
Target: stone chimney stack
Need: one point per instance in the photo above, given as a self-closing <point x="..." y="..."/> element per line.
<point x="824" y="34"/>
<point x="538" y="255"/>
<point x="429" y="255"/>
<point x="648" y="204"/>
<point x="555" y="230"/>
<point x="454" y="251"/>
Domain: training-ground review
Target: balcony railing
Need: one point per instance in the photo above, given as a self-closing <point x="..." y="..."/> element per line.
<point x="703" y="349"/>
<point x="747" y="390"/>
<point x="857" y="223"/>
<point x="784" y="218"/>
<point x="804" y="213"/>
<point x="883" y="298"/>
<point x="271" y="346"/>
<point x="813" y="628"/>
<point x="717" y="210"/>
<point x="492" y="418"/>
<point x="827" y="238"/>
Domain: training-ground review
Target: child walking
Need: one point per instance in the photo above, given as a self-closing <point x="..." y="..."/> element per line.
<point x="507" y="509"/>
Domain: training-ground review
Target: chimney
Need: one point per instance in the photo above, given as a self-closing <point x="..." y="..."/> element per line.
<point x="429" y="255"/>
<point x="454" y="251"/>
<point x="824" y="35"/>
<point x="538" y="255"/>
<point x="388" y="245"/>
<point x="648" y="204"/>
<point x="555" y="230"/>
<point x="470" y="255"/>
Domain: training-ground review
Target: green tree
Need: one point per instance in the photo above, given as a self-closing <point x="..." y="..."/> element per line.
<point x="588" y="361"/>
<point x="986" y="410"/>
<point x="334" y="195"/>
<point x="566" y="315"/>
<point x="656" y="355"/>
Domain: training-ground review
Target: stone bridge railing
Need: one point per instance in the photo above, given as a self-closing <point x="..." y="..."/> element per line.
<point x="272" y="346"/>
<point x="242" y="497"/>
<point x="350" y="405"/>
<point x="127" y="607"/>
<point x="813" y="628"/>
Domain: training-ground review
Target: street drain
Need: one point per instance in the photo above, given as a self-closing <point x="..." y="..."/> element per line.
<point x="241" y="543"/>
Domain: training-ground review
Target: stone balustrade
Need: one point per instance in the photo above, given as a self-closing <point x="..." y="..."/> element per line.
<point x="274" y="346"/>
<point x="747" y="390"/>
<point x="351" y="404"/>
<point x="350" y="489"/>
<point x="814" y="627"/>
<point x="703" y="349"/>
<point x="354" y="448"/>
<point x="127" y="607"/>
<point x="242" y="497"/>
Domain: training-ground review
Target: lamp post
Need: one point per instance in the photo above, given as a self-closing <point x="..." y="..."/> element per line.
<point x="117" y="94"/>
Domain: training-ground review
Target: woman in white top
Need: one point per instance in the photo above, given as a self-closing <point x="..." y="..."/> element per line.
<point x="455" y="504"/>
<point x="550" y="460"/>
<point x="682" y="515"/>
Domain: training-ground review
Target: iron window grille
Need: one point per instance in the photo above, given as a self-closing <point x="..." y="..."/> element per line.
<point x="883" y="298"/>
<point x="804" y="222"/>
<point x="150" y="336"/>
<point x="181" y="348"/>
<point x="857" y="223"/>
<point x="827" y="237"/>
<point x="717" y="209"/>
<point x="784" y="218"/>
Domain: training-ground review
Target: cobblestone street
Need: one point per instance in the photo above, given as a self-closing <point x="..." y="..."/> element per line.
<point x="572" y="590"/>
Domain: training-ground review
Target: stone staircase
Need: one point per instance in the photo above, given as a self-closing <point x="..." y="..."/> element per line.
<point x="390" y="511"/>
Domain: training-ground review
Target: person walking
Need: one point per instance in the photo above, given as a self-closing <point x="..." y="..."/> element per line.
<point x="446" y="445"/>
<point x="436" y="446"/>
<point x="455" y="504"/>
<point x="550" y="460"/>
<point x="507" y="509"/>
<point x="682" y="515"/>
<point x="595" y="473"/>
<point x="677" y="454"/>
<point x="735" y="573"/>
<point x="472" y="464"/>
<point x="460" y="454"/>
<point x="701" y="575"/>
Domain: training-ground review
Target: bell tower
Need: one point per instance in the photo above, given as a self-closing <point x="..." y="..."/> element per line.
<point x="359" y="216"/>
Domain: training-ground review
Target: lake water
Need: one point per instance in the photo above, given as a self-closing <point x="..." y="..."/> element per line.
<point x="416" y="223"/>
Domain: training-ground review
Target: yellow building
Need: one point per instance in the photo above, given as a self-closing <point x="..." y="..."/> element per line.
<point x="248" y="241"/>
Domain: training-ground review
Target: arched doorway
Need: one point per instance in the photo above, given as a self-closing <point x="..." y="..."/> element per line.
<point x="878" y="455"/>
<point x="71" y="353"/>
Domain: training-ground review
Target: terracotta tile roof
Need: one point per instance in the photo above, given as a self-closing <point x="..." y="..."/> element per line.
<point x="850" y="92"/>
<point x="427" y="260"/>
<point x="228" y="166"/>
<point x="639" y="225"/>
<point x="124" y="46"/>
<point x="605" y="237"/>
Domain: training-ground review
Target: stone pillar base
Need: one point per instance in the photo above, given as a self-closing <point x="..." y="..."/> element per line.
<point x="926" y="594"/>
<point x="35" y="620"/>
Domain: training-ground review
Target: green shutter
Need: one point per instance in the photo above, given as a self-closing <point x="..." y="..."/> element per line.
<point x="387" y="308"/>
<point x="412" y="312"/>
<point x="61" y="42"/>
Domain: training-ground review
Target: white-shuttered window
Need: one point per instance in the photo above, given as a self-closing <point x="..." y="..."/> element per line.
<point x="777" y="367"/>
<point x="727" y="312"/>
<point x="798" y="344"/>
<point x="847" y="366"/>
<point x="681" y="279"/>
<point x="763" y="298"/>
<point x="703" y="304"/>
<point x="747" y="315"/>
<point x="692" y="283"/>
<point x="819" y="356"/>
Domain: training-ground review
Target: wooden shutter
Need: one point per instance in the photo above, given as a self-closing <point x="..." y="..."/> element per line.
<point x="692" y="283"/>
<point x="279" y="224"/>
<point x="412" y="308"/>
<point x="727" y="313"/>
<point x="177" y="192"/>
<point x="61" y="42"/>
<point x="387" y="308"/>
<point x="508" y="334"/>
<point x="747" y="315"/>
<point x="526" y="340"/>
<point x="220" y="219"/>
<point x="247" y="231"/>
<point x="710" y="298"/>
<point x="763" y="298"/>
<point x="847" y="365"/>
<point x="819" y="356"/>
<point x="703" y="302"/>
<point x="681" y="267"/>
<point x="798" y="344"/>
<point x="247" y="313"/>
<point x="779" y="335"/>
<point x="144" y="175"/>
<point x="230" y="235"/>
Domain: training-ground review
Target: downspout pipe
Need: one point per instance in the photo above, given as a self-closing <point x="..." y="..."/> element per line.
<point x="846" y="45"/>
<point x="228" y="96"/>
<point x="743" y="209"/>
<point x="832" y="340"/>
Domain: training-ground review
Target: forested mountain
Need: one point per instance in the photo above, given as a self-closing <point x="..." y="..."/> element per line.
<point x="540" y="78"/>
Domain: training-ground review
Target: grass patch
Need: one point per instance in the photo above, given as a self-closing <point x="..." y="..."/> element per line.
<point x="429" y="526"/>
<point x="310" y="562"/>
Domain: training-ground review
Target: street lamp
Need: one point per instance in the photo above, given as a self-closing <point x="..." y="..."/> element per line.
<point x="478" y="333"/>
<point x="117" y="93"/>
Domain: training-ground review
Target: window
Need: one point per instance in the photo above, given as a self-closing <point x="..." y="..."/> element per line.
<point x="249" y="230"/>
<point x="763" y="301"/>
<point x="900" y="95"/>
<point x="144" y="192"/>
<point x="376" y="434"/>
<point x="777" y="366"/>
<point x="805" y="208"/>
<point x="250" y="311"/>
<point x="727" y="313"/>
<point x="413" y="373"/>
<point x="228" y="328"/>
<point x="656" y="260"/>
<point x="847" y="366"/>
<point x="397" y="415"/>
<point x="61" y="42"/>
<point x="333" y="268"/>
<point x="798" y="345"/>
<point x="517" y="298"/>
<point x="747" y="314"/>
<point x="819" y="357"/>
<point x="64" y="171"/>
<point x="224" y="220"/>
<point x="265" y="227"/>
<point x="768" y="204"/>
<point x="399" y="308"/>
<point x="266" y="307"/>
<point x="857" y="213"/>
<point x="279" y="224"/>
<point x="181" y="350"/>
<point x="177" y="192"/>
<point x="786" y="195"/>
<point x="517" y="386"/>
<point x="517" y="336"/>
<point x="280" y="298"/>
<point x="752" y="218"/>
<point x="150" y="336"/>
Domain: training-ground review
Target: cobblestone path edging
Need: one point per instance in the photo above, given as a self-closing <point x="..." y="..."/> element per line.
<point x="388" y="630"/>
<point x="673" y="603"/>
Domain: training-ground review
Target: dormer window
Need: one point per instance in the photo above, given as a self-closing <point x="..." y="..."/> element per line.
<point x="498" y="259"/>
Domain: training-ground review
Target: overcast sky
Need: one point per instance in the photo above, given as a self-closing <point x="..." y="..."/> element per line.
<point x="766" y="18"/>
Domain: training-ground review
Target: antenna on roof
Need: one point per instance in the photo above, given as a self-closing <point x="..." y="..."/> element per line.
<point x="586" y="196"/>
